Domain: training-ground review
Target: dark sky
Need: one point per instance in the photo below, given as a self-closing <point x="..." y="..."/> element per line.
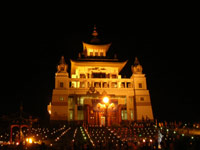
<point x="33" y="48"/>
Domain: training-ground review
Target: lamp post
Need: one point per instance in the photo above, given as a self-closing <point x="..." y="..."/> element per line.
<point x="106" y="102"/>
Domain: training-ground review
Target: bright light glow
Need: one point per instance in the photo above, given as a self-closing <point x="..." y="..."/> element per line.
<point x="105" y="100"/>
<point x="49" y="108"/>
<point x="112" y="105"/>
<point x="30" y="140"/>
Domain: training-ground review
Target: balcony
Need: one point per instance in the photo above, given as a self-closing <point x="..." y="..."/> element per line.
<point x="100" y="83"/>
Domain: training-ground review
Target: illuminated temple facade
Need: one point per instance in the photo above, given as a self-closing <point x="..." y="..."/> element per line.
<point x="78" y="97"/>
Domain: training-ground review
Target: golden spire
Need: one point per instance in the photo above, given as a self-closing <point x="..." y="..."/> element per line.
<point x="95" y="36"/>
<point x="95" y="33"/>
<point x="62" y="67"/>
<point x="136" y="68"/>
<point x="62" y="60"/>
<point x="136" y="62"/>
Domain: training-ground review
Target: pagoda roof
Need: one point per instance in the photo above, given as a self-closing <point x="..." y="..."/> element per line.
<point x="97" y="63"/>
<point x="96" y="45"/>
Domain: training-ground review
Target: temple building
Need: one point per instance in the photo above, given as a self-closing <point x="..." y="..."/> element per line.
<point x="79" y="97"/>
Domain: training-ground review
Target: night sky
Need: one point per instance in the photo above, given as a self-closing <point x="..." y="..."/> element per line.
<point x="33" y="49"/>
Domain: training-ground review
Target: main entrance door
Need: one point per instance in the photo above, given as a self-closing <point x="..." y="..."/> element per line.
<point x="103" y="121"/>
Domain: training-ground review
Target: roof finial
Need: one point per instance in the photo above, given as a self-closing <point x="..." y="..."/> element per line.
<point x="62" y="66"/>
<point x="62" y="60"/>
<point x="94" y="33"/>
<point x="136" y="68"/>
<point x="136" y="62"/>
<point x="95" y="38"/>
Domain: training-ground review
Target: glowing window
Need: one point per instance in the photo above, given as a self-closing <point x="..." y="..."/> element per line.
<point x="90" y="50"/>
<point x="82" y="84"/>
<point x="80" y="115"/>
<point x="61" y="98"/>
<point x="124" y="114"/>
<point x="71" y="114"/>
<point x="131" y="114"/>
<point x="114" y="84"/>
<point x="70" y="102"/>
<point x="80" y="101"/>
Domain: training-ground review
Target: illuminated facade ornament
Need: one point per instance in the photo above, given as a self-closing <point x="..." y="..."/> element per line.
<point x="79" y="95"/>
<point x="92" y="91"/>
